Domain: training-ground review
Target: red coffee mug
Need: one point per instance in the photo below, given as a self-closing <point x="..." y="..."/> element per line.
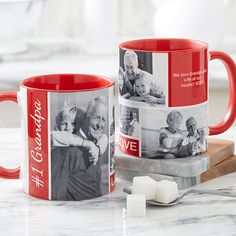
<point x="67" y="125"/>
<point x="163" y="97"/>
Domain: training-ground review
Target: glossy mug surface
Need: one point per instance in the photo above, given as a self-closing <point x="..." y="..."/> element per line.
<point x="67" y="128"/>
<point x="163" y="97"/>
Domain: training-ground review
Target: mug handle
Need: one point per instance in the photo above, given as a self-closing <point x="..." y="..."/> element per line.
<point x="230" y="114"/>
<point x="6" y="173"/>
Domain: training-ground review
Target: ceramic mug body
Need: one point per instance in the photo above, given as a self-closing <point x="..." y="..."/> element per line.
<point x="163" y="97"/>
<point x="67" y="128"/>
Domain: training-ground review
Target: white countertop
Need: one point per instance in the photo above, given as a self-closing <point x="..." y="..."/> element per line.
<point x="196" y="215"/>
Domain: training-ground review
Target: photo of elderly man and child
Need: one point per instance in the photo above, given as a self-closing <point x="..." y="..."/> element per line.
<point x="136" y="81"/>
<point x="79" y="146"/>
<point x="179" y="136"/>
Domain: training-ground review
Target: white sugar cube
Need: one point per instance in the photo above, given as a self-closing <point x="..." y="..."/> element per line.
<point x="166" y="191"/>
<point x="144" y="185"/>
<point x="136" y="205"/>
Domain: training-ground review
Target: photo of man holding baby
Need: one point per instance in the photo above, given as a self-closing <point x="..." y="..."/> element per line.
<point x="136" y="81"/>
<point x="79" y="148"/>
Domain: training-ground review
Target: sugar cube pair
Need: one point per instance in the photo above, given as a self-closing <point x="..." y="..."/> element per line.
<point x="145" y="188"/>
<point x="164" y="191"/>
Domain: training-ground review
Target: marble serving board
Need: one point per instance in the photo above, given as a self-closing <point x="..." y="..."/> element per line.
<point x="183" y="182"/>
<point x="225" y="167"/>
<point x="218" y="151"/>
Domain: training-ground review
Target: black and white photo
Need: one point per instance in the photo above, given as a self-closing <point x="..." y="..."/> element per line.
<point x="136" y="81"/>
<point x="112" y="157"/>
<point x="129" y="121"/>
<point x="174" y="133"/>
<point x="112" y="125"/>
<point x="79" y="145"/>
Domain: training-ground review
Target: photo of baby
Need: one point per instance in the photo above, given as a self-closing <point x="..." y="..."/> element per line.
<point x="136" y="82"/>
<point x="180" y="136"/>
<point x="129" y="121"/>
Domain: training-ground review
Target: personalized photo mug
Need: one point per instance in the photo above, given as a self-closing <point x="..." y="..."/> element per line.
<point x="163" y="97"/>
<point x="67" y="124"/>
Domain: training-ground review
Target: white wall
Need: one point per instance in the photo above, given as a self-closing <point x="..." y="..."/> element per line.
<point x="64" y="19"/>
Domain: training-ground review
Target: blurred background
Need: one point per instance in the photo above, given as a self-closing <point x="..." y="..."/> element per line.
<point x="82" y="36"/>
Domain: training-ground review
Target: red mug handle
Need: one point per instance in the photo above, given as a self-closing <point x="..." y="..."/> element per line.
<point x="230" y="114"/>
<point x="6" y="173"/>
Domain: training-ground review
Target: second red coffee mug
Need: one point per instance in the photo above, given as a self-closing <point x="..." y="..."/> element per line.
<point x="67" y="128"/>
<point x="163" y="97"/>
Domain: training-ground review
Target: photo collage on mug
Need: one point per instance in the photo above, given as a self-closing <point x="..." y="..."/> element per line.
<point x="158" y="131"/>
<point x="81" y="143"/>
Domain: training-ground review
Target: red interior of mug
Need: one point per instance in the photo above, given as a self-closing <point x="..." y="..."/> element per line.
<point x="163" y="45"/>
<point x="67" y="82"/>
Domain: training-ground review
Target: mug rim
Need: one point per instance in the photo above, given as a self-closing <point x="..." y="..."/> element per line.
<point x="164" y="45"/>
<point x="88" y="82"/>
